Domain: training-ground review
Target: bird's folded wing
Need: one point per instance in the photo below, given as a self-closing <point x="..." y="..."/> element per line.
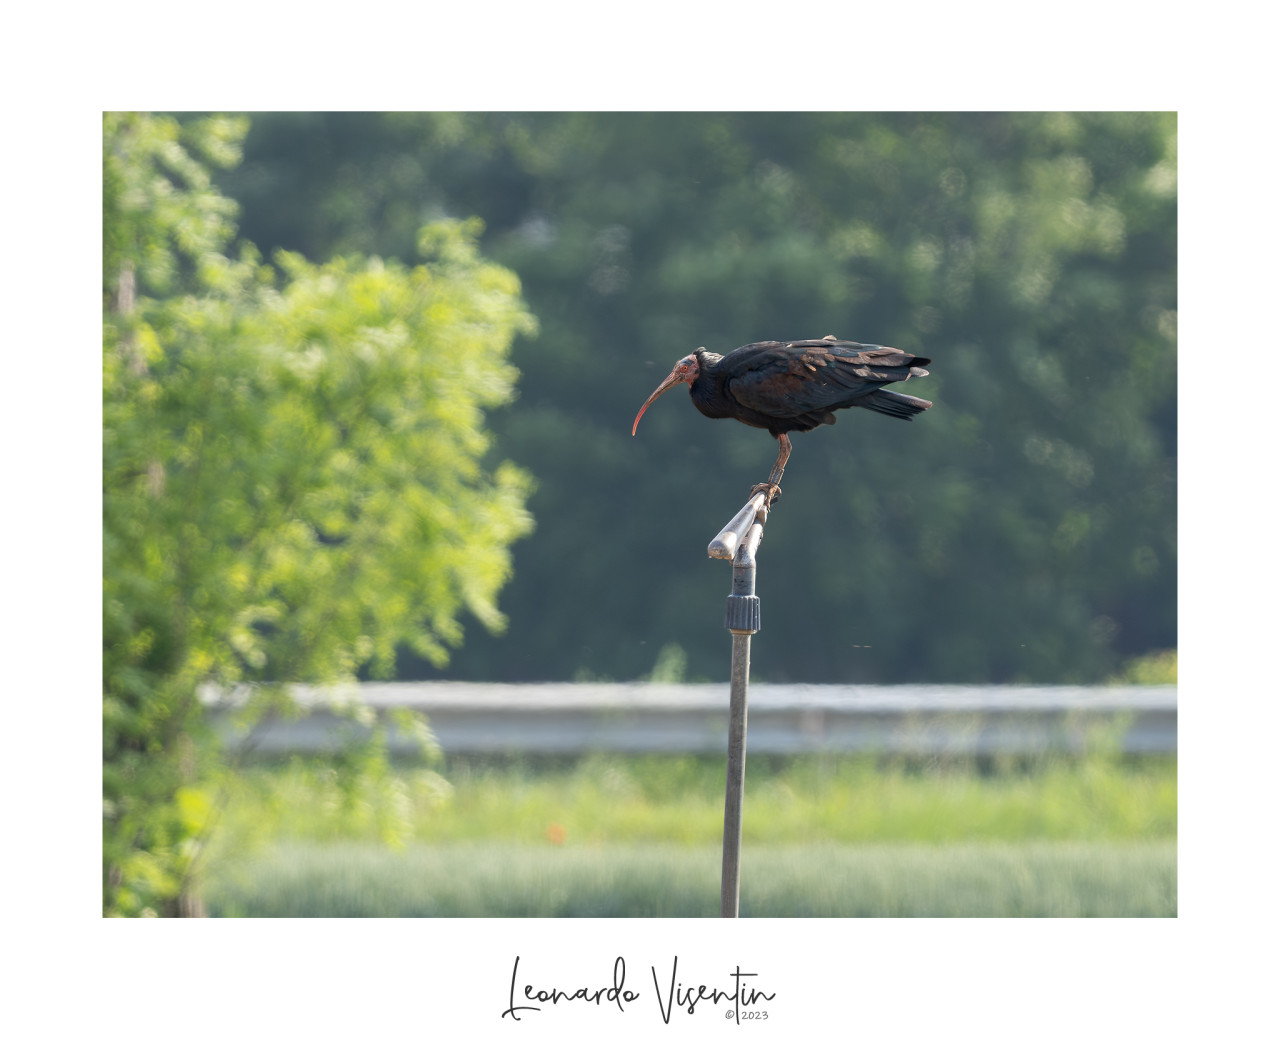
<point x="784" y="381"/>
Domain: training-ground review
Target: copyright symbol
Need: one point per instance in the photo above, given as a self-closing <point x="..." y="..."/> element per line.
<point x="729" y="1014"/>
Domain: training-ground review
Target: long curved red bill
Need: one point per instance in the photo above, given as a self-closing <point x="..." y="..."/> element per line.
<point x="672" y="380"/>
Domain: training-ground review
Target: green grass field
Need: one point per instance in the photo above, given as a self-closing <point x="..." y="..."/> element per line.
<point x="640" y="836"/>
<point x="647" y="880"/>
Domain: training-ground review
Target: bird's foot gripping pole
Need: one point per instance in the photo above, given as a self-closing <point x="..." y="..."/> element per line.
<point x="738" y="540"/>
<point x="772" y="490"/>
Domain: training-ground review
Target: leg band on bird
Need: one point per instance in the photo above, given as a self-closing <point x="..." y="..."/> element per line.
<point x="772" y="489"/>
<point x="784" y="452"/>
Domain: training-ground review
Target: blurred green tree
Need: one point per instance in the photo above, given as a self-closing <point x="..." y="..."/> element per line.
<point x="296" y="475"/>
<point x="1023" y="530"/>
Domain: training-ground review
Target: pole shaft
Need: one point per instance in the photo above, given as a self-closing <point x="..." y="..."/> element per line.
<point x="735" y="776"/>
<point x="742" y="618"/>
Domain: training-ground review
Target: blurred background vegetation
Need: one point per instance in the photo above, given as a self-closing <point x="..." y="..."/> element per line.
<point x="368" y="382"/>
<point x="1024" y="530"/>
<point x="640" y="836"/>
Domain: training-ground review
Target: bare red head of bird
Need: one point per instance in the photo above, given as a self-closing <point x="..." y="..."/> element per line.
<point x="685" y="372"/>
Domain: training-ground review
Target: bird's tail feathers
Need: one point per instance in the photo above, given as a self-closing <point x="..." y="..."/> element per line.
<point x="892" y="404"/>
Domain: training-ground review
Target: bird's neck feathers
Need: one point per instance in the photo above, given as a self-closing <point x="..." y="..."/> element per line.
<point x="708" y="359"/>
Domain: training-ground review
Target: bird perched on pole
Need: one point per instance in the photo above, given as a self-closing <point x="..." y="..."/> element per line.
<point x="795" y="386"/>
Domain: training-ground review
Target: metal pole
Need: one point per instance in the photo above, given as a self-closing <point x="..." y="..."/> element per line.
<point x="739" y="539"/>
<point x="735" y="777"/>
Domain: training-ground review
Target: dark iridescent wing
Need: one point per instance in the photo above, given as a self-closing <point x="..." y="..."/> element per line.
<point x="790" y="380"/>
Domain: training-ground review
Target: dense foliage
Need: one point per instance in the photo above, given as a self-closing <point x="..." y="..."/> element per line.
<point x="1023" y="529"/>
<point x="295" y="475"/>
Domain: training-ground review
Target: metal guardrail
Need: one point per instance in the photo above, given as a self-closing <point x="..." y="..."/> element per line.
<point x="545" y="718"/>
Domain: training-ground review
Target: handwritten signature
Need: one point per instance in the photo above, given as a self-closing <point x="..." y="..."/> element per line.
<point x="677" y="995"/>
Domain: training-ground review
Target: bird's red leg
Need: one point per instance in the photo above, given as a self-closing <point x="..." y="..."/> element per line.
<point x="772" y="487"/>
<point x="784" y="452"/>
